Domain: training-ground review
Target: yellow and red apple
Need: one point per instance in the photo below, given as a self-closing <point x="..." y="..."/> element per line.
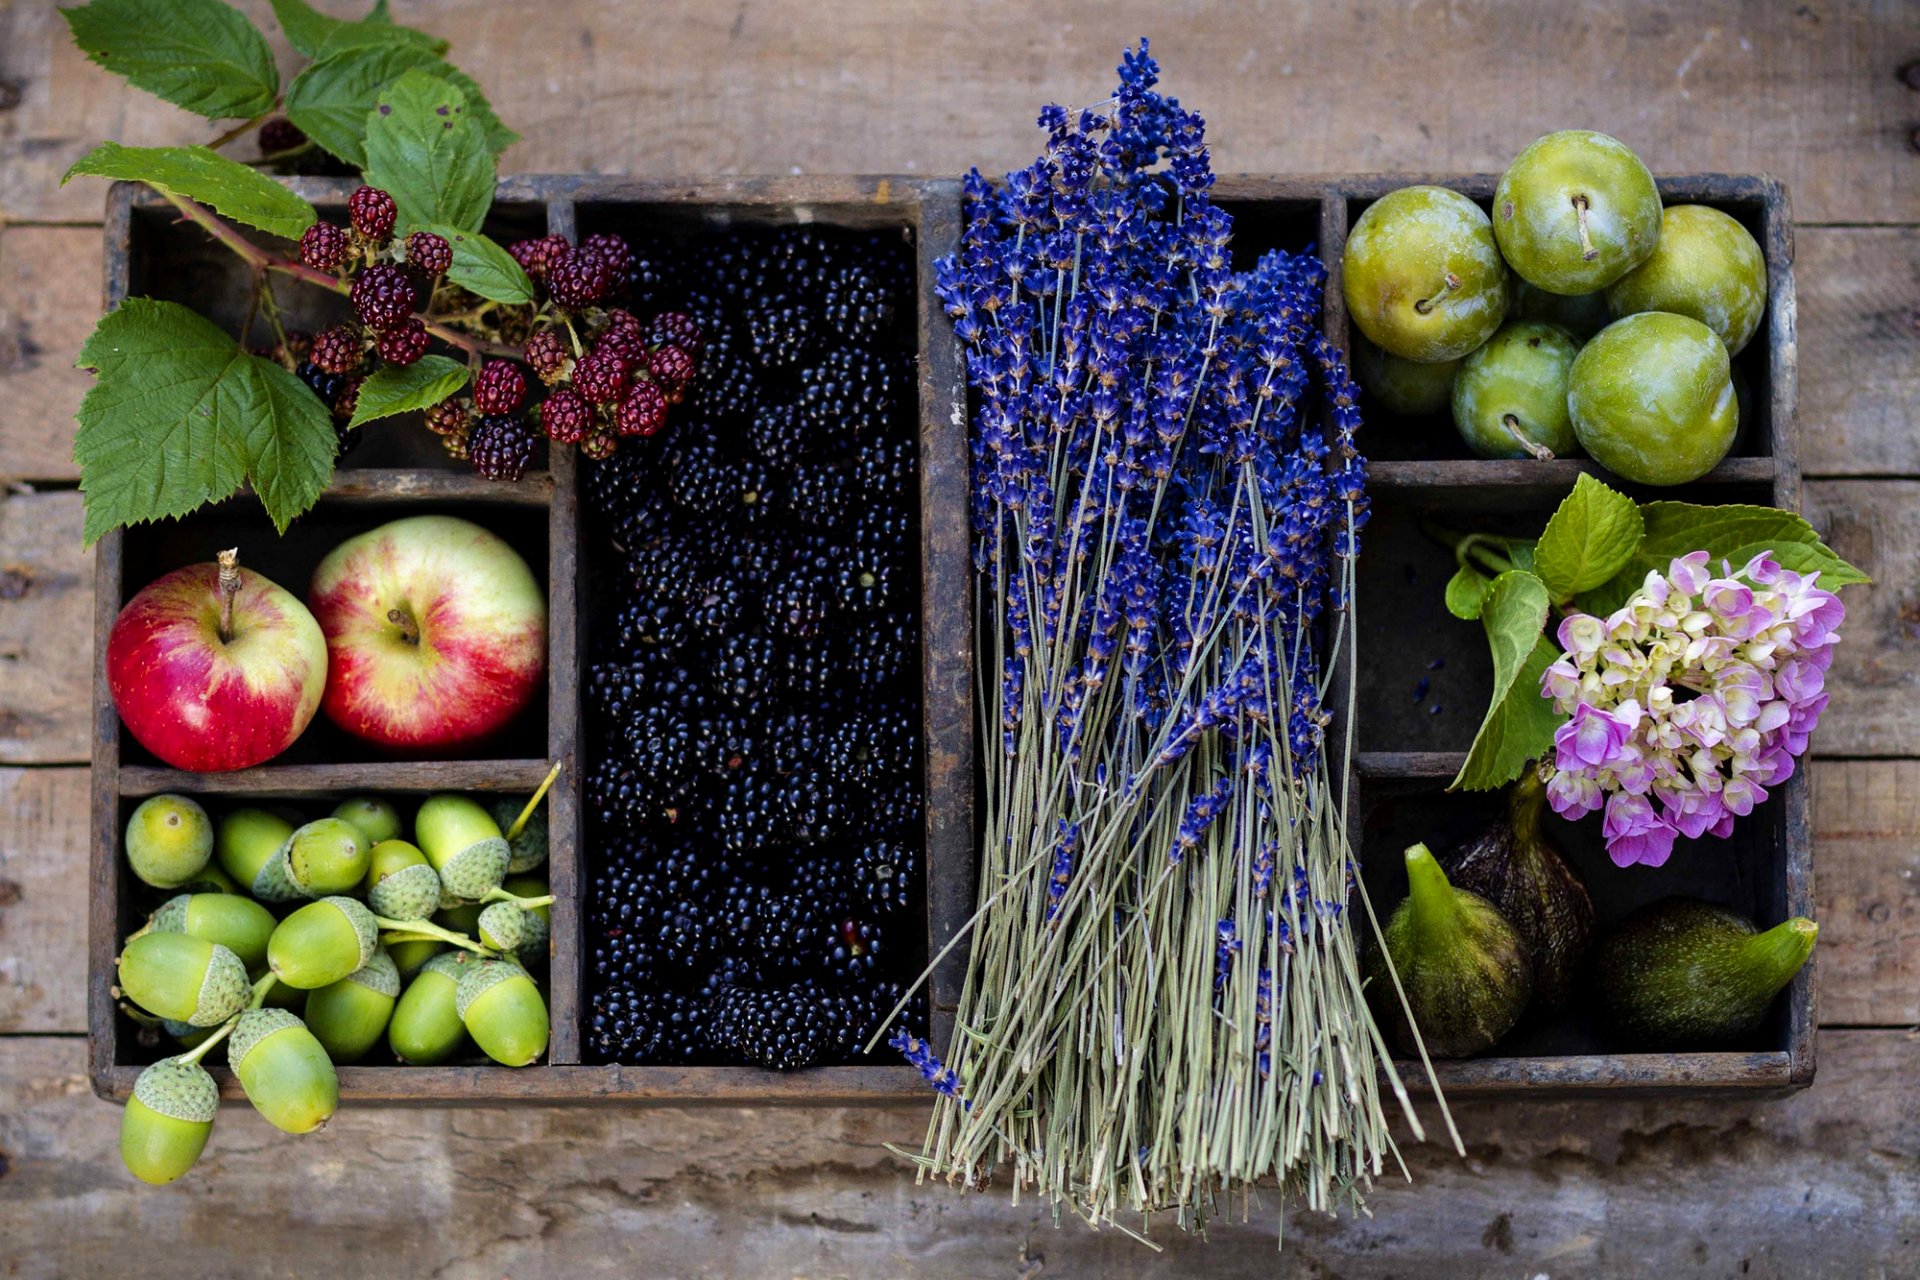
<point x="436" y="634"/>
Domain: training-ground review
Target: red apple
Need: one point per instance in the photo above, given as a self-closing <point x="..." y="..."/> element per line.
<point x="213" y="667"/>
<point x="436" y="634"/>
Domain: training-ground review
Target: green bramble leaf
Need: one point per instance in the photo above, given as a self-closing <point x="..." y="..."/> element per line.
<point x="1466" y="590"/>
<point x="236" y="191"/>
<point x="482" y="267"/>
<point x="198" y="54"/>
<point x="1735" y="533"/>
<point x="428" y="154"/>
<point x="304" y="26"/>
<point x="1519" y="724"/>
<point x="498" y="136"/>
<point x="330" y="99"/>
<point x="315" y="35"/>
<point x="180" y="416"/>
<point x="374" y="32"/>
<point x="392" y="388"/>
<point x="1594" y="532"/>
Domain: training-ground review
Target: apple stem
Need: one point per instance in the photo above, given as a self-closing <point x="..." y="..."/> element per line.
<point x="229" y="588"/>
<point x="1537" y="450"/>
<point x="526" y="814"/>
<point x="1426" y="305"/>
<point x="1587" y="252"/>
<point x="409" y="629"/>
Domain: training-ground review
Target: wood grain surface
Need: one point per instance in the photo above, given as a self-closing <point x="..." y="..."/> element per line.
<point x="1823" y="1183"/>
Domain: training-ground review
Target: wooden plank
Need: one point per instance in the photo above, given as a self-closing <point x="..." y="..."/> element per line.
<point x="1875" y="679"/>
<point x="1564" y="1189"/>
<point x="46" y="630"/>
<point x="1859" y="347"/>
<point x="781" y="86"/>
<point x="43" y="900"/>
<point x="49" y="300"/>
<point x="1867" y="855"/>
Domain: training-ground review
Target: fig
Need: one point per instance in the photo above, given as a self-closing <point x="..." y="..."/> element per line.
<point x="463" y="843"/>
<point x="169" y="841"/>
<point x="1685" y="974"/>
<point x="286" y="1073"/>
<point x="167" y="1120"/>
<point x="322" y="942"/>
<point x="187" y="979"/>
<point x="503" y="1011"/>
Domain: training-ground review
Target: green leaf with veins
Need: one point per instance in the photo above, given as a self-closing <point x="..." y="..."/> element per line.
<point x="482" y="267"/>
<point x="1735" y="533"/>
<point x="330" y="99"/>
<point x="310" y="32"/>
<point x="371" y="32"/>
<point x="428" y="154"/>
<point x="236" y="191"/>
<point x="1465" y="592"/>
<point x="393" y="389"/>
<point x="1592" y="534"/>
<point x="1519" y="724"/>
<point x="180" y="416"/>
<point x="198" y="54"/>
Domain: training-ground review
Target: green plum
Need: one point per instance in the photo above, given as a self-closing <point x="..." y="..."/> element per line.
<point x="1510" y="399"/>
<point x="1652" y="399"/>
<point x="1580" y="314"/>
<point x="1706" y="266"/>
<point x="1406" y="387"/>
<point x="1422" y="275"/>
<point x="1576" y="211"/>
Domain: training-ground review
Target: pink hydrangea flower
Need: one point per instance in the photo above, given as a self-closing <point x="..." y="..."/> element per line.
<point x="1689" y="701"/>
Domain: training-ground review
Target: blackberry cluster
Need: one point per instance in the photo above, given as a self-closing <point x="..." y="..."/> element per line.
<point x="752" y="690"/>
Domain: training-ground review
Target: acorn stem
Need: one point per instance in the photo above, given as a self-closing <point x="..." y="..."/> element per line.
<point x="1539" y="451"/>
<point x="205" y="1047"/>
<point x="422" y="929"/>
<point x="1426" y="305"/>
<point x="229" y="589"/>
<point x="261" y="988"/>
<point x="525" y="904"/>
<point x="526" y="814"/>
<point x="1587" y="252"/>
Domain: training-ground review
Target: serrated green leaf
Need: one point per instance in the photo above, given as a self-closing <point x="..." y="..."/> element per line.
<point x="1734" y="533"/>
<point x="371" y="31"/>
<point x="427" y="153"/>
<point x="304" y="26"/>
<point x="180" y="416"/>
<point x="308" y="30"/>
<point x="392" y="389"/>
<point x="234" y="190"/>
<point x="1465" y="592"/>
<point x="1592" y="534"/>
<point x="331" y="98"/>
<point x="1520" y="553"/>
<point x="498" y="136"/>
<point x="482" y="267"/>
<point x="1519" y="723"/>
<point x="198" y="54"/>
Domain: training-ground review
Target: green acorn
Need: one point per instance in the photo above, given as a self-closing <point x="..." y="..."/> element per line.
<point x="426" y="1026"/>
<point x="400" y="883"/>
<point x="188" y="979"/>
<point x="502" y="926"/>
<point x="463" y="843"/>
<point x="537" y="925"/>
<point x="169" y="840"/>
<point x="322" y="942"/>
<point x="166" y="1122"/>
<point x="239" y="924"/>
<point x="503" y="1012"/>
<point x="527" y="848"/>
<point x="328" y="855"/>
<point x="459" y="915"/>
<point x="211" y="879"/>
<point x="284" y="1070"/>
<point x="377" y="819"/>
<point x="411" y="957"/>
<point x="248" y="843"/>
<point x="189" y="1036"/>
<point x="348" y="1017"/>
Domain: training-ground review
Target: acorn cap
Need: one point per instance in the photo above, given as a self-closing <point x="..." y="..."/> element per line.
<point x="533" y="941"/>
<point x="452" y="964"/>
<point x="502" y="926"/>
<point x="363" y="926"/>
<point x="378" y="974"/>
<point x="478" y="869"/>
<point x="273" y="883"/>
<point x="179" y="1090"/>
<point x="254" y="1026"/>
<point x="481" y="978"/>
<point x="528" y="849"/>
<point x="411" y="893"/>
<point x="171" y="916"/>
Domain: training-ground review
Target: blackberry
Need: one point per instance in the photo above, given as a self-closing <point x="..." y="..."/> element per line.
<point x="882" y="873"/>
<point x="712" y="479"/>
<point x="500" y="387"/>
<point x="723" y="741"/>
<point x="619" y="799"/>
<point x="429" y="254"/>
<point x="620" y="954"/>
<point x="502" y="444"/>
<point x="683" y="919"/>
<point x="600" y="376"/>
<point x="883" y="469"/>
<point x="726" y="384"/>
<point x="810" y="670"/>
<point x="865" y="750"/>
<point x="536" y="255"/>
<point x="674" y="370"/>
<point x="889" y="255"/>
<point x="643" y="413"/>
<point x="616" y="690"/>
<point x="345" y="439"/>
<point x="815" y="808"/>
<point x="617" y="253"/>
<point x="372" y="212"/>
<point x="665" y="569"/>
<point x="734" y="970"/>
<point x="324" y="383"/>
<point x="856" y="304"/>
<point x="783" y="1029"/>
<point x="338" y="350"/>
<point x="323" y="246"/>
<point x="280" y="135"/>
<point x="894" y="809"/>
<point x="719" y="604"/>
<point x="855" y="952"/>
<point x="661" y="745"/>
<point x="742" y="669"/>
<point x="578" y="278"/>
<point x="600" y="444"/>
<point x="455" y="442"/>
<point x="777" y="432"/>
<point x="861" y="1010"/>
<point x="779" y="332"/>
<point x="343" y="406"/>
<point x="864" y="583"/>
<point x="403" y="344"/>
<point x="750" y="814"/>
<point x="637" y="1026"/>
<point x="796" y="605"/>
<point x="647" y="630"/>
<point x="449" y="417"/>
<point x="383" y="296"/>
<point x="819" y="495"/>
<point x="676" y="329"/>
<point x="882" y="650"/>
<point x="651" y="271"/>
<point x="549" y="355"/>
<point x="849" y="392"/>
<point x="566" y="416"/>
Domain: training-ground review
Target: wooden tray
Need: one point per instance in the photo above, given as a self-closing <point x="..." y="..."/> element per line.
<point x="1404" y="753"/>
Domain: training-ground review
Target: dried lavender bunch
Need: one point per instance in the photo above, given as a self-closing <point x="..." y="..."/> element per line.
<point x="1163" y="1000"/>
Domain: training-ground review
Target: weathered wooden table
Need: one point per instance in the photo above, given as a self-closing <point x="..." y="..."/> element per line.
<point x="1825" y="94"/>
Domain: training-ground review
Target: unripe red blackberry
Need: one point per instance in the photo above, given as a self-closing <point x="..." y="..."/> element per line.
<point x="280" y="134"/>
<point x="673" y="369"/>
<point x="617" y="252"/>
<point x="622" y="321"/>
<point x="643" y="412"/>
<point x="547" y="352"/>
<point x="448" y="418"/>
<point x="566" y="417"/>
<point x="600" y="445"/>
<point x="323" y="246"/>
<point x="501" y="446"/>
<point x="372" y="212"/>
<point x="338" y="350"/>
<point x="403" y="344"/>
<point x="600" y="376"/>
<point x="455" y="442"/>
<point x="429" y="254"/>
<point x="384" y="296"/>
<point x="348" y="400"/>
<point x="299" y="344"/>
<point x="676" y="329"/>
<point x="535" y="256"/>
<point x="500" y="388"/>
<point x="578" y="278"/>
<point x="628" y="345"/>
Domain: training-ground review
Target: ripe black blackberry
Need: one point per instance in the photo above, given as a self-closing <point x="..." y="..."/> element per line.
<point x="883" y="649"/>
<point x="661" y="744"/>
<point x="646" y="629"/>
<point x="855" y="303"/>
<point x="616" y="690"/>
<point x="865" y="583"/>
<point x="726" y="384"/>
<point x="856" y="951"/>
<point x="742" y="669"/>
<point x="796" y="604"/>
<point x="619" y="954"/>
<point x="892" y="810"/>
<point x="815" y="807"/>
<point x="324" y="384"/>
<point x="665" y="569"/>
<point x="778" y="433"/>
<point x="383" y="295"/>
<point x="619" y="799"/>
<point x="719" y="604"/>
<point x="712" y="477"/>
<point x="849" y="392"/>
<point x="723" y="740"/>
<point x="501" y="446"/>
<point x="867" y="749"/>
<point x="782" y="1029"/>
<point x="808" y="671"/>
<point x="883" y="470"/>
<point x="882" y="873"/>
<point x="750" y="814"/>
<point x="820" y="495"/>
<point x="652" y="272"/>
<point x="860" y="1010"/>
<point x="780" y="330"/>
<point x="642" y="1025"/>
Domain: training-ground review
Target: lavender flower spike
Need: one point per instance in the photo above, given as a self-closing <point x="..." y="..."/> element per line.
<point x="920" y="1055"/>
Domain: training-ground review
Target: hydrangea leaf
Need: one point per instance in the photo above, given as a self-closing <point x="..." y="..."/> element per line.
<point x="393" y="389"/>
<point x="1590" y="537"/>
<point x="202" y="55"/>
<point x="1519" y="724"/>
<point x="236" y="191"/>
<point x="429" y="154"/>
<point x="1735" y="533"/>
<point x="180" y="416"/>
<point x="482" y="267"/>
<point x="1466" y="590"/>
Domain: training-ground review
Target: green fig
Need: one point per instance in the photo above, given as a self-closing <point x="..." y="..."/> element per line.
<point x="328" y="855"/>
<point x="286" y="1073"/>
<point x="503" y="1012"/>
<point x="166" y="1122"/>
<point x="248" y="843"/>
<point x="426" y="1028"/>
<point x="348" y="1017"/>
<point x="239" y="924"/>
<point x="1684" y="974"/>
<point x="528" y="848"/>
<point x="412" y="956"/>
<point x="169" y="841"/>
<point x="377" y="819"/>
<point x="400" y="884"/>
<point x="188" y="979"/>
<point x="1465" y="971"/>
<point x="322" y="942"/>
<point x="463" y="843"/>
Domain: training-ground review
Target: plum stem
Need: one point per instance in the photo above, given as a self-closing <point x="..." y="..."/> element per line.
<point x="526" y="814"/>
<point x="1426" y="305"/>
<point x="409" y="629"/>
<point x="1587" y="252"/>
<point x="229" y="588"/>
<point x="1533" y="448"/>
